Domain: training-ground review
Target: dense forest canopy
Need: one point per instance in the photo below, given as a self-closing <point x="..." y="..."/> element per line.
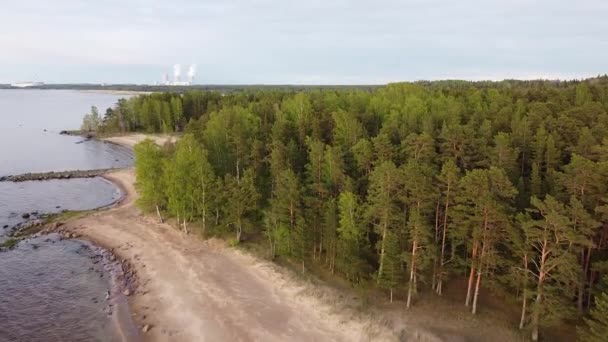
<point x="404" y="188"/>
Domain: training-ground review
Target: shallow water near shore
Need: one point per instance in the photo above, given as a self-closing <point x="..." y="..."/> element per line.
<point x="52" y="289"/>
<point x="51" y="196"/>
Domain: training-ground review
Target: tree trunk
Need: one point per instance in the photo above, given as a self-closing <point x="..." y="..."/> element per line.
<point x="581" y="285"/>
<point x="412" y="275"/>
<point x="522" y="320"/>
<point x="204" y="212"/>
<point x="238" y="171"/>
<point x="539" y="292"/>
<point x="391" y="294"/>
<point x="471" y="274"/>
<point x="445" y="228"/>
<point x="481" y="260"/>
<point x="477" y="285"/>
<point x="160" y="217"/>
<point x="584" y="281"/>
<point x="239" y="230"/>
<point x="436" y="267"/>
<point x="380" y="267"/>
<point x="590" y="290"/>
<point x="536" y="312"/>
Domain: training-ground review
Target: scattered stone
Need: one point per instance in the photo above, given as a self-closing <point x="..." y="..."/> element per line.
<point x="126" y="292"/>
<point x="146" y="328"/>
<point x="5" y="226"/>
<point x="54" y="175"/>
<point x="57" y="207"/>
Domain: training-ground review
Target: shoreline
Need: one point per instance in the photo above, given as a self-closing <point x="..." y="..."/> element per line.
<point x="191" y="289"/>
<point x="107" y="228"/>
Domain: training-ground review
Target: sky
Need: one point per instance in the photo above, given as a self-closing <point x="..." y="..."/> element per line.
<point x="301" y="42"/>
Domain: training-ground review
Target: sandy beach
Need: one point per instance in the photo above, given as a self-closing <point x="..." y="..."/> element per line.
<point x="194" y="290"/>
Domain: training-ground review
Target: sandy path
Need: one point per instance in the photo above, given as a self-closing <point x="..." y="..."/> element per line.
<point x="190" y="290"/>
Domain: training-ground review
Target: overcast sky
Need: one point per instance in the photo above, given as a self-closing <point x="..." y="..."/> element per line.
<point x="306" y="41"/>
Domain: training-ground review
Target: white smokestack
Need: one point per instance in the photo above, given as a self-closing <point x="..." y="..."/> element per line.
<point x="177" y="71"/>
<point x="191" y="73"/>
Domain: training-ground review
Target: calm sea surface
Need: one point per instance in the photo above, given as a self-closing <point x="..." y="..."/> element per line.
<point x="52" y="289"/>
<point x="25" y="146"/>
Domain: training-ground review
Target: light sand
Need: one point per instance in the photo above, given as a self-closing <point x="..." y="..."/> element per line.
<point x="191" y="290"/>
<point x="131" y="139"/>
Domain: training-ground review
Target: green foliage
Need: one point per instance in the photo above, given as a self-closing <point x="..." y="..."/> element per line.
<point x="91" y="121"/>
<point x="149" y="172"/>
<point x="9" y="243"/>
<point x="398" y="184"/>
<point x="351" y="243"/>
<point x="241" y="202"/>
<point x="596" y="326"/>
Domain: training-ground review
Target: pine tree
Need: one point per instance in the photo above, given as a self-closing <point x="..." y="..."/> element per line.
<point x="350" y="238"/>
<point x="420" y="198"/>
<point x="552" y="239"/>
<point x="316" y="193"/>
<point x="448" y="179"/>
<point x="287" y="205"/>
<point x="483" y="205"/>
<point x="330" y="229"/>
<point x="596" y="326"/>
<point x="391" y="275"/>
<point x="381" y="207"/>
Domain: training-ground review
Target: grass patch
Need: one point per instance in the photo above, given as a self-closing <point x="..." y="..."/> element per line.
<point x="10" y="243"/>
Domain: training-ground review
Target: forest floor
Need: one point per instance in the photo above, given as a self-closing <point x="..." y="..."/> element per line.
<point x="191" y="289"/>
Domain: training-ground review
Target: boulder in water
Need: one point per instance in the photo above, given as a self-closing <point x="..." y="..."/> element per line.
<point x="26" y="215"/>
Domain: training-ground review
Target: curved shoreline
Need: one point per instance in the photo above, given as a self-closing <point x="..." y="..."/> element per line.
<point x="189" y="289"/>
<point x="192" y="290"/>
